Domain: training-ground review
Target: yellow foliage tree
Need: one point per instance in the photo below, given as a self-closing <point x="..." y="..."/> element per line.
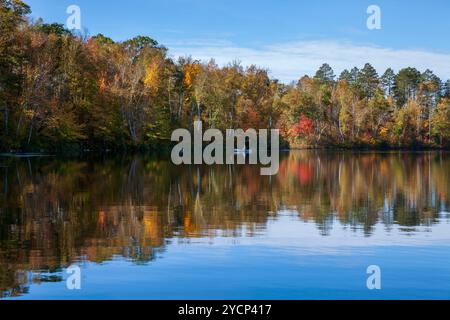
<point x="191" y="71"/>
<point x="152" y="76"/>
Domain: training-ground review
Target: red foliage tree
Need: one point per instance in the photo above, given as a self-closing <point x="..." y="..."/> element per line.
<point x="304" y="127"/>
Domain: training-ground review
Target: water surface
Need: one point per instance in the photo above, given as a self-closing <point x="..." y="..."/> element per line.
<point x="142" y="228"/>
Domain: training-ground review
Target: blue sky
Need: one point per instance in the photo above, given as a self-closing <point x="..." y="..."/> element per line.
<point x="290" y="37"/>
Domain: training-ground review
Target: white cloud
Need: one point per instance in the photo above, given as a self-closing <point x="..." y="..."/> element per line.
<point x="291" y="60"/>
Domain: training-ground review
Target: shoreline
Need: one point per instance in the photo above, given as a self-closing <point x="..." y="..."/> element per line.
<point x="162" y="152"/>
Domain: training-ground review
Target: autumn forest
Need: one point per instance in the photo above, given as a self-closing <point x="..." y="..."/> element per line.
<point x="65" y="91"/>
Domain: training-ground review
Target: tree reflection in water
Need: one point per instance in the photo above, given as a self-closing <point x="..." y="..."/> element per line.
<point x="54" y="212"/>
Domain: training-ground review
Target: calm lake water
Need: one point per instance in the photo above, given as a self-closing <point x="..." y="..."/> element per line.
<point x="141" y="228"/>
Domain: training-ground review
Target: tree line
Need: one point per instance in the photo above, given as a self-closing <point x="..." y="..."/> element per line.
<point x="60" y="90"/>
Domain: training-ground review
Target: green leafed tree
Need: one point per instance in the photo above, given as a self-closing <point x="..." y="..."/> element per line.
<point x="446" y="89"/>
<point x="368" y="80"/>
<point x="406" y="83"/>
<point x="387" y="81"/>
<point x="325" y="74"/>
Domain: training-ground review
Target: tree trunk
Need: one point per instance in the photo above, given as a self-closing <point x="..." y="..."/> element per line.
<point x="19" y="123"/>
<point x="30" y="132"/>
<point x="170" y="100"/>
<point x="6" y="120"/>
<point x="430" y="115"/>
